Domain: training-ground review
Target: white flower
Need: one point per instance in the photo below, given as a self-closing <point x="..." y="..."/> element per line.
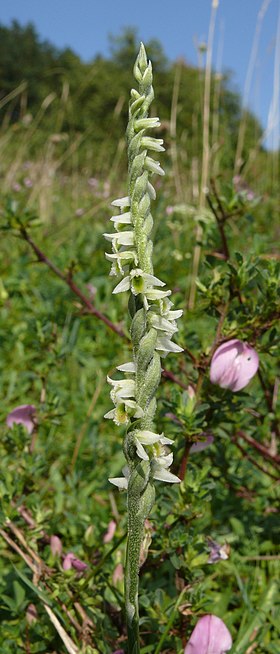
<point x="161" y="324"/>
<point x="123" y="411"/>
<point x="121" y="482"/>
<point x="121" y="219"/>
<point x="121" y="258"/>
<point x="122" y="389"/>
<point x="127" y="367"/>
<point x="160" y="464"/>
<point x="153" y="166"/>
<point x="121" y="202"/>
<point x="138" y="282"/>
<point x="164" y="345"/>
<point x="120" y="238"/>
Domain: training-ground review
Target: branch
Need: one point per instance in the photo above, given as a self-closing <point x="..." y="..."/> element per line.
<point x="253" y="461"/>
<point x="274" y="458"/>
<point x="67" y="279"/>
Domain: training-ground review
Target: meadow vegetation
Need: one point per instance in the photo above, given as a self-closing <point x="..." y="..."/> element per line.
<point x="211" y="542"/>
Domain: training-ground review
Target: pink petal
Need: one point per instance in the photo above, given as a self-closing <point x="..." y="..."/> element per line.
<point x="110" y="532"/>
<point x="118" y="574"/>
<point x="233" y="365"/>
<point x="71" y="561"/>
<point x="22" y="415"/>
<point x="210" y="636"/>
<point x="79" y="565"/>
<point x="67" y="563"/>
<point x="56" y="545"/>
<point x="201" y="445"/>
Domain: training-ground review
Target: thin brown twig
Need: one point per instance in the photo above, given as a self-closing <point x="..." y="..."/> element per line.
<point x="67" y="279"/>
<point x="274" y="458"/>
<point x="72" y="285"/>
<point x="253" y="461"/>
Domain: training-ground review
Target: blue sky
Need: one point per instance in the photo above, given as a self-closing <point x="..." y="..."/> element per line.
<point x="84" y="25"/>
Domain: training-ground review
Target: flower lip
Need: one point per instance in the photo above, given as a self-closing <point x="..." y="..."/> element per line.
<point x="233" y="365"/>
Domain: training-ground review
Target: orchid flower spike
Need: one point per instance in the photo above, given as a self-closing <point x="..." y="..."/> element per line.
<point x="233" y="365"/>
<point x="210" y="636"/>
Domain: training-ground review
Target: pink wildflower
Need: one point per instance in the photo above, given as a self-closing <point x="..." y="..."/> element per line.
<point x="201" y="445"/>
<point x="210" y="636"/>
<point x="22" y="415"/>
<point x="233" y="365"/>
<point x="71" y="561"/>
<point x="110" y="532"/>
<point x="31" y="614"/>
<point x="56" y="545"/>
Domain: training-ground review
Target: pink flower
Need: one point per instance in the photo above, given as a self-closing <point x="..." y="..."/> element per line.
<point x="56" y="545"/>
<point x="31" y="614"/>
<point x="233" y="365"/>
<point x="210" y="636"/>
<point x="118" y="574"/>
<point x="22" y="415"/>
<point x="71" y="561"/>
<point x="201" y="445"/>
<point x="110" y="532"/>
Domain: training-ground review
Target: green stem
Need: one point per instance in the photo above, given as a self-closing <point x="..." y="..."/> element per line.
<point x="140" y="499"/>
<point x="134" y="540"/>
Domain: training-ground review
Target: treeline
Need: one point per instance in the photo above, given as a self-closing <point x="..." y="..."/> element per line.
<point x="90" y="99"/>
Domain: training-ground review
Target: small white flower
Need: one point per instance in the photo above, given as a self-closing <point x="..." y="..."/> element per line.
<point x="122" y="218"/>
<point x="151" y="143"/>
<point x="153" y="166"/>
<point x="161" y="474"/>
<point x="120" y="238"/>
<point x="138" y="282"/>
<point x="123" y="411"/>
<point x="122" y="389"/>
<point x="121" y="202"/>
<point x="121" y="482"/>
<point x="160" y="323"/>
<point x="146" y="123"/>
<point x="151" y="191"/>
<point x="127" y="367"/>
<point x="160" y="464"/>
<point x="121" y="258"/>
<point x="165" y="345"/>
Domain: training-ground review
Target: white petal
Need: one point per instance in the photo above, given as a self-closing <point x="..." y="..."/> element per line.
<point x="152" y="280"/>
<point x="174" y="315"/>
<point x="154" y="294"/>
<point x="165" y="345"/>
<point x="122" y="218"/>
<point x="164" y="461"/>
<point x="146" y="123"/>
<point x="141" y="451"/>
<point x="121" y="202"/>
<point x="148" y="437"/>
<point x="124" y="285"/>
<point x="127" y="367"/>
<point x="166" y="441"/>
<point x="164" y="475"/>
<point x="151" y="143"/>
<point x="120" y="482"/>
<point x="153" y="166"/>
<point x="151" y="191"/>
<point x="110" y="415"/>
<point x="122" y="238"/>
<point x="158" y="322"/>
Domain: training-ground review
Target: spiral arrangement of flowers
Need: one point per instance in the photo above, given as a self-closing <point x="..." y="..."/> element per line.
<point x="152" y="328"/>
